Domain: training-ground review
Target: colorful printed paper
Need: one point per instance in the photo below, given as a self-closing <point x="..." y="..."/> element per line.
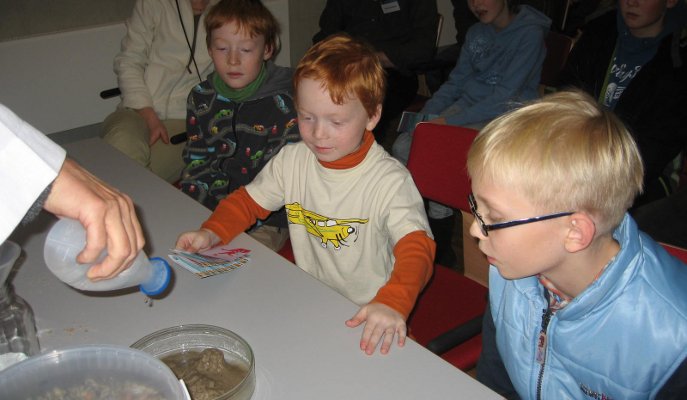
<point x="211" y="262"/>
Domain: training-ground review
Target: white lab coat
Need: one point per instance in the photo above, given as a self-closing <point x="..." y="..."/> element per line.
<point x="29" y="162"/>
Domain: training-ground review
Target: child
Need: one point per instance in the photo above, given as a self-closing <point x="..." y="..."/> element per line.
<point x="582" y="304"/>
<point x="241" y="116"/>
<point x="633" y="61"/>
<point x="499" y="64"/>
<point x="356" y="219"/>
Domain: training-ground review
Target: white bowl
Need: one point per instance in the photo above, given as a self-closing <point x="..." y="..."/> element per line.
<point x="100" y="368"/>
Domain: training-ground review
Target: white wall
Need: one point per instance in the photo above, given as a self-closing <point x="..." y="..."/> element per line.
<point x="54" y="81"/>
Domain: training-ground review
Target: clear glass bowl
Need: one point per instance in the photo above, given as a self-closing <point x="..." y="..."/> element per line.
<point x="181" y="339"/>
<point x="103" y="371"/>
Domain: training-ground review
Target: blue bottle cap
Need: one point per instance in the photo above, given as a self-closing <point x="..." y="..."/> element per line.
<point x="161" y="276"/>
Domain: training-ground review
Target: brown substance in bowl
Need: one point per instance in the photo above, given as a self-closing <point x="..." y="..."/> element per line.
<point x="207" y="374"/>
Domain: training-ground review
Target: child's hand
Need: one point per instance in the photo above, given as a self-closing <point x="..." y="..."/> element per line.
<point x="196" y="241"/>
<point x="382" y="321"/>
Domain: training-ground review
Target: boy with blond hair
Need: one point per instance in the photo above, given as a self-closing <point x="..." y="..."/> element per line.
<point x="356" y="220"/>
<point x="582" y="304"/>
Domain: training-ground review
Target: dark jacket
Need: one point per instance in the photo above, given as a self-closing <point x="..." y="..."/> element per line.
<point x="229" y="142"/>
<point x="407" y="36"/>
<point x="654" y="105"/>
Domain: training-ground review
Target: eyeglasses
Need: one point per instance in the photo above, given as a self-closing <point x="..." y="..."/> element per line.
<point x="486" y="228"/>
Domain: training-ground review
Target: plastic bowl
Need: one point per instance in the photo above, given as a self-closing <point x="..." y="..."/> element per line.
<point x="182" y="339"/>
<point x="110" y="371"/>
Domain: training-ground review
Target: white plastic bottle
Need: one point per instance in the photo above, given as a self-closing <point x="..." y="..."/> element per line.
<point x="67" y="238"/>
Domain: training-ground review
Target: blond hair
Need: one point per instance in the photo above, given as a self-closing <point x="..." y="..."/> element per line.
<point x="346" y="67"/>
<point x="564" y="153"/>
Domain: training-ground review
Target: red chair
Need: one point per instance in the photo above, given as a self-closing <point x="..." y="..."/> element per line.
<point x="677" y="252"/>
<point x="451" y="306"/>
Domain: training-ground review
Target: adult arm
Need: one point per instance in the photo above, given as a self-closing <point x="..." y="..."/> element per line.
<point x="131" y="62"/>
<point x="29" y="162"/>
<point x="108" y="216"/>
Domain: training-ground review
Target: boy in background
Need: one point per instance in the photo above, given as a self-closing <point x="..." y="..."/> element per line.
<point x="499" y="64"/>
<point x="582" y="304"/>
<point x="243" y="114"/>
<point x="634" y="62"/>
<point x="357" y="221"/>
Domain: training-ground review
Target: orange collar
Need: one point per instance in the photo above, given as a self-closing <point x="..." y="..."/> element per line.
<point x="354" y="158"/>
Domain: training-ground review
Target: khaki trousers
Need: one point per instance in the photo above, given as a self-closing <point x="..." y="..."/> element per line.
<point x="127" y="131"/>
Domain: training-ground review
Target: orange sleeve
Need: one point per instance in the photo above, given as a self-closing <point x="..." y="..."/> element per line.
<point x="234" y="214"/>
<point x="413" y="267"/>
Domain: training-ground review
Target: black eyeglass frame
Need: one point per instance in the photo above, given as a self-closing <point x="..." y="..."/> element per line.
<point x="485" y="228"/>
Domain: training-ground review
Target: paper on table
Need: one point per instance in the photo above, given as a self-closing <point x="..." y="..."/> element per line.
<point x="211" y="262"/>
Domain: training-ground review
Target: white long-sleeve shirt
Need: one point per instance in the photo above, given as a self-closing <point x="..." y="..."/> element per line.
<point x="29" y="162"/>
<point x="151" y="66"/>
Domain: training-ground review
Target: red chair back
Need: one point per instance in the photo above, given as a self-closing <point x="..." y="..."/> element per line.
<point x="677" y="252"/>
<point x="437" y="162"/>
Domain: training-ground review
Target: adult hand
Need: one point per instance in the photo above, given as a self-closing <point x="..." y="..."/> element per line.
<point x="383" y="323"/>
<point x="107" y="215"/>
<point x="157" y="129"/>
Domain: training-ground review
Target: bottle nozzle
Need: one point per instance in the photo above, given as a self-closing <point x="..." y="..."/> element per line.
<point x="160" y="278"/>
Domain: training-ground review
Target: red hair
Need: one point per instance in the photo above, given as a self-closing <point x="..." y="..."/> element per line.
<point x="346" y="67"/>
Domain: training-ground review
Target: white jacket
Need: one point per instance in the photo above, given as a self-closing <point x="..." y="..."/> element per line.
<point x="151" y="66"/>
<point x="29" y="161"/>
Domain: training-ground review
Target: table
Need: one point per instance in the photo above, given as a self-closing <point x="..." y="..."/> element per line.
<point x="293" y="322"/>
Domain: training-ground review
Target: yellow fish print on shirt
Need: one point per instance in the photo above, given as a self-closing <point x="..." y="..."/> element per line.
<point x="328" y="230"/>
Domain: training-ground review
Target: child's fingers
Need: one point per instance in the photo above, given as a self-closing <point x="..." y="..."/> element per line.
<point x="189" y="241"/>
<point x="370" y="338"/>
<point x="388" y="339"/>
<point x="182" y="242"/>
<point x="375" y="334"/>
<point x="402" y="333"/>
<point x="357" y="319"/>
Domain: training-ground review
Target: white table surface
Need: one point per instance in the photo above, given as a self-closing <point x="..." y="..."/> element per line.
<point x="294" y="323"/>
